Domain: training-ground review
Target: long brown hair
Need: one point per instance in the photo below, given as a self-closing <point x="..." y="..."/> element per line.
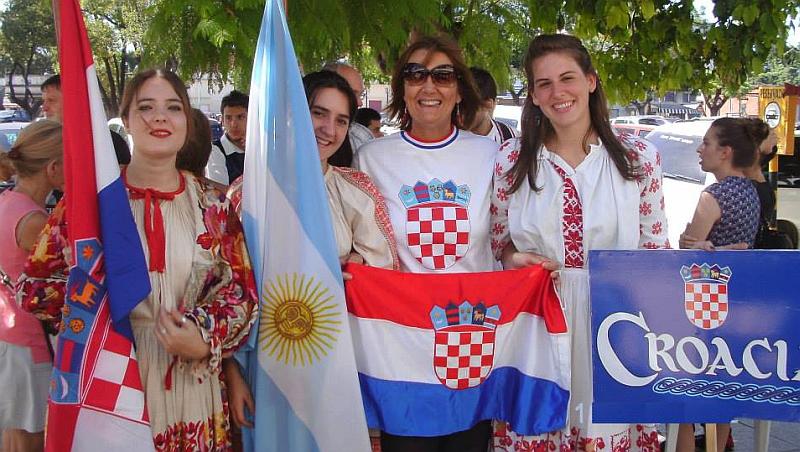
<point x="462" y="116"/>
<point x="536" y="127"/>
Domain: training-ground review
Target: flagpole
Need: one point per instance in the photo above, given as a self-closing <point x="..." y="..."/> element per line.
<point x="56" y="20"/>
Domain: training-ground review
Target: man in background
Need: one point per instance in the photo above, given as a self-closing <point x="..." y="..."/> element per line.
<point x="226" y="163"/>
<point x="370" y="119"/>
<point x="53" y="109"/>
<point x="358" y="134"/>
<point x="485" y="124"/>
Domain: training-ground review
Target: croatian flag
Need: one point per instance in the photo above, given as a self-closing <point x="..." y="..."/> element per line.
<point x="301" y="367"/>
<point x="96" y="400"/>
<point x="438" y="353"/>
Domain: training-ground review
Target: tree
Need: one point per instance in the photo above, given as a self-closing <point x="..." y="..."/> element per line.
<point x="638" y="45"/>
<point x="116" y="30"/>
<point x="778" y="69"/>
<point x="29" y="42"/>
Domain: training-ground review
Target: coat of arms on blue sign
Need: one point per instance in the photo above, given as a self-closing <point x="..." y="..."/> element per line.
<point x="678" y="338"/>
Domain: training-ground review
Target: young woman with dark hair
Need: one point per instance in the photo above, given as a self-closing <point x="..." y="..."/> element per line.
<point x="203" y="299"/>
<point x="566" y="187"/>
<point x="358" y="212"/>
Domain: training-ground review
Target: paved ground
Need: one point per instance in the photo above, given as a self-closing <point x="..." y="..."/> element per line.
<point x="783" y="437"/>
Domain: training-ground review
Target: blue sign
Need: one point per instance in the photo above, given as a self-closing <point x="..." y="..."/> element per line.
<point x="694" y="336"/>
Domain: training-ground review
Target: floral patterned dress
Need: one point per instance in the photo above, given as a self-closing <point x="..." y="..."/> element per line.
<point x="206" y="274"/>
<point x="577" y="210"/>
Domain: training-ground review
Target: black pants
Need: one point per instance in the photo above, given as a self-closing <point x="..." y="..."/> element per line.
<point x="475" y="439"/>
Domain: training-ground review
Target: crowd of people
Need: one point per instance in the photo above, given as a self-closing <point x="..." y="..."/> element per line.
<point x="567" y="185"/>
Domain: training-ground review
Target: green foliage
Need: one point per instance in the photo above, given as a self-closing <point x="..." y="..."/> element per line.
<point x="27" y="46"/>
<point x="639" y="46"/>
<point x="116" y="30"/>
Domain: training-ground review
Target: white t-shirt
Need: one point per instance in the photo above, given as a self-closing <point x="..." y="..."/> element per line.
<point x="438" y="195"/>
<point x="216" y="169"/>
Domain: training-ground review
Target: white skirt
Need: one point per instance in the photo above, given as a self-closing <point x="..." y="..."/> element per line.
<point x="580" y="430"/>
<point x="23" y="389"/>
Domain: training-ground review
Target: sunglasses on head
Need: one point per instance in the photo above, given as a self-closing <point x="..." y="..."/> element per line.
<point x="416" y="74"/>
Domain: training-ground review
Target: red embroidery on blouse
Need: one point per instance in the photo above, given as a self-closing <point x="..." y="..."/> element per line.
<point x="572" y="227"/>
<point x="364" y="183"/>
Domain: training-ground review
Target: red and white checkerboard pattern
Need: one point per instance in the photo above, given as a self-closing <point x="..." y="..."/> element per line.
<point x="706" y="304"/>
<point x="115" y="385"/>
<point x="438" y="234"/>
<point x="463" y="359"/>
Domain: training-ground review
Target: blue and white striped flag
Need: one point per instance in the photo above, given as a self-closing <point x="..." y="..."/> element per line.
<point x="302" y="366"/>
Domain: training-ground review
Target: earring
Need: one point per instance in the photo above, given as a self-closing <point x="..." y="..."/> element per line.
<point x="458" y="113"/>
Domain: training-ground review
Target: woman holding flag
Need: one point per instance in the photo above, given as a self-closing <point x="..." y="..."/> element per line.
<point x="25" y="359"/>
<point x="358" y="211"/>
<point x="435" y="159"/>
<point x="202" y="300"/>
<point x="567" y="186"/>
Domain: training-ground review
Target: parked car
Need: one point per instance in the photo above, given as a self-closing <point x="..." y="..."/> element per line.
<point x="8" y="136"/>
<point x="639" y="130"/>
<point x="684" y="180"/>
<point x="510" y="115"/>
<point x="14" y="116"/>
<point x="650" y="120"/>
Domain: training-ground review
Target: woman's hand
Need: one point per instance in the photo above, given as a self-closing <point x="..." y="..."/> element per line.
<point x="180" y="336"/>
<point x="686" y="241"/>
<point x="511" y="259"/>
<point x="239" y="395"/>
<point x="352" y="257"/>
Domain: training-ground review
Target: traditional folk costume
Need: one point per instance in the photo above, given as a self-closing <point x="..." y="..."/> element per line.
<point x="198" y="264"/>
<point x="578" y="210"/>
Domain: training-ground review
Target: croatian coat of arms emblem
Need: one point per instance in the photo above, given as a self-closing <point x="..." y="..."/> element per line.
<point x="706" y="294"/>
<point x="463" y="353"/>
<point x="437" y="222"/>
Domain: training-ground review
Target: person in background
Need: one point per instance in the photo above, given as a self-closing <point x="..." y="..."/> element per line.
<point x="484" y="123"/>
<point x="358" y="134"/>
<point x="728" y="213"/>
<point x="227" y="156"/>
<point x="435" y="99"/>
<point x="203" y="298"/>
<point x="358" y="212"/>
<point x="766" y="151"/>
<point x="565" y="187"/>
<point x="195" y="154"/>
<point x="370" y="119"/>
<point x="25" y="354"/>
<point x="53" y="108"/>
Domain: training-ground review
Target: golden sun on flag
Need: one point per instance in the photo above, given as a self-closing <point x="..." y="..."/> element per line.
<point x="299" y="322"/>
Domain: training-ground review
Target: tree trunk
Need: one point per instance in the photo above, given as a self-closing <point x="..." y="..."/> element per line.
<point x="715" y="102"/>
<point x="111" y="70"/>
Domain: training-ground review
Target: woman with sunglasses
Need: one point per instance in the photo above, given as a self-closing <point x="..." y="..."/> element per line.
<point x="436" y="179"/>
<point x="566" y="187"/>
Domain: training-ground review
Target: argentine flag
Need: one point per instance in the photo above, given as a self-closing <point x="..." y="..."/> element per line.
<point x="300" y="364"/>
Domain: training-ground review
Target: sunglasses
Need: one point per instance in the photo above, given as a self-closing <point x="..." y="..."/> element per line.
<point x="415" y="74"/>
